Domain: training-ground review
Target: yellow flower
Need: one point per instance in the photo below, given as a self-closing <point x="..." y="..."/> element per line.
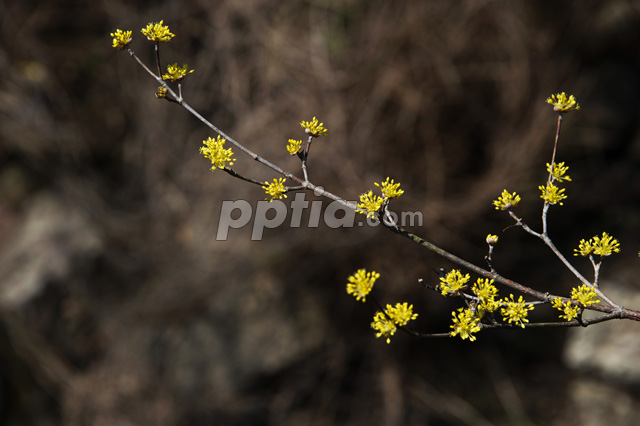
<point x="294" y="146"/>
<point x="314" y="128"/>
<point x="585" y="248"/>
<point x="551" y="194"/>
<point x="453" y="282"/>
<point x="275" y="189"/>
<point x="157" y="31"/>
<point x="561" y="103"/>
<point x="121" y="39"/>
<point x="492" y="240"/>
<point x="484" y="289"/>
<point x="176" y="73"/>
<point x="604" y="246"/>
<point x="369" y="204"/>
<point x="214" y="150"/>
<point x="465" y="323"/>
<point x="401" y="314"/>
<point x="384" y="326"/>
<point x="515" y="311"/>
<point x="585" y="295"/>
<point x="390" y="189"/>
<point x="361" y="283"/>
<point x="568" y="309"/>
<point x="486" y="293"/>
<point x="506" y="201"/>
<point x="558" y="172"/>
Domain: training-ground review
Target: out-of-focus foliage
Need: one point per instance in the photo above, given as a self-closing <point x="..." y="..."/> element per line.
<point x="119" y="307"/>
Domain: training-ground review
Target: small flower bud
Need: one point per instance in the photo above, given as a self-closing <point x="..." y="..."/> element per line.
<point x="161" y="92"/>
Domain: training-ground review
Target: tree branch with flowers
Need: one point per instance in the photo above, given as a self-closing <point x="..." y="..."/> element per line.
<point x="482" y="307"/>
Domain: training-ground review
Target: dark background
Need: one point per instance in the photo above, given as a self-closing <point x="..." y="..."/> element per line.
<point x="119" y="307"/>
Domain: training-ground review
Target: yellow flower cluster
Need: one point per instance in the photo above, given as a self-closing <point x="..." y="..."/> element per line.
<point x="401" y="314"/>
<point x="465" y="323"/>
<point x="515" y="311"/>
<point x="390" y="189"/>
<point x="214" y="150"/>
<point x="561" y="103"/>
<point x="157" y="31"/>
<point x="506" y="201"/>
<point x="453" y="282"/>
<point x="314" y="128"/>
<point x="558" y="172"/>
<point x="384" y="326"/>
<point x="486" y="293"/>
<point x="361" y="283"/>
<point x="176" y="72"/>
<point x="294" y="146"/>
<point x="601" y="246"/>
<point x="276" y="189"/>
<point x="568" y="309"/>
<point x="121" y="39"/>
<point x="370" y="204"/>
<point x="583" y="295"/>
<point x="386" y="323"/>
<point x="552" y="194"/>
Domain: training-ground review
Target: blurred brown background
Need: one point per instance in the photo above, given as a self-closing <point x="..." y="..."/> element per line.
<point x="119" y="307"/>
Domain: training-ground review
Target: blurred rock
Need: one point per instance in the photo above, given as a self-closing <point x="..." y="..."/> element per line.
<point x="606" y="358"/>
<point x="594" y="403"/>
<point x="52" y="238"/>
<point x="610" y="349"/>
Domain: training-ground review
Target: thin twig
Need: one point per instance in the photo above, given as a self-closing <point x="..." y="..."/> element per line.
<point x="555" y="145"/>
<point x="157" y="49"/>
<point x="305" y="156"/>
<point x="239" y="176"/>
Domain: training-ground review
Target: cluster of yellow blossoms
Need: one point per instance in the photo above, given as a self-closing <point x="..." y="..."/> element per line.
<point x="385" y="322"/>
<point x="583" y="296"/>
<point x="467" y="321"/>
<point x="370" y="204"/>
<point x="121" y="39"/>
<point x="176" y="72"/>
<point x="214" y="150"/>
<point x="294" y="146"/>
<point x="221" y="157"/>
<point x="550" y="193"/>
<point x="156" y="32"/>
<point x="313" y="128"/>
<point x="562" y="104"/>
<point x="276" y="189"/>
<point x="361" y="283"/>
<point x="601" y="246"/>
